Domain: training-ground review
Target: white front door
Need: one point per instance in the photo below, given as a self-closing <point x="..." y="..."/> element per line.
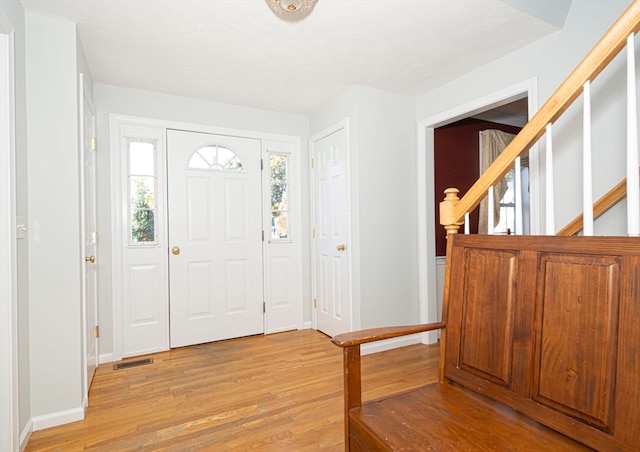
<point x="90" y="238"/>
<point x="332" y="247"/>
<point x="215" y="237"/>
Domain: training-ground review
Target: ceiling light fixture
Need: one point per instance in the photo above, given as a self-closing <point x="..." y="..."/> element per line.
<point x="292" y="9"/>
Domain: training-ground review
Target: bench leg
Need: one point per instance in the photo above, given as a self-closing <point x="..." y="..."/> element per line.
<point x="352" y="386"/>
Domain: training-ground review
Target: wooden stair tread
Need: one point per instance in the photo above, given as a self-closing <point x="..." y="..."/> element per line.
<point x="458" y="419"/>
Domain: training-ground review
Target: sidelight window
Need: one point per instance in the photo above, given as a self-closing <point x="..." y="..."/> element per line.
<point x="143" y="183"/>
<point x="279" y="175"/>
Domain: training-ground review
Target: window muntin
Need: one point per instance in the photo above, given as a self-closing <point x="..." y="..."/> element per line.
<point x="215" y="158"/>
<point x="143" y="186"/>
<point x="507" y="221"/>
<point x="279" y="188"/>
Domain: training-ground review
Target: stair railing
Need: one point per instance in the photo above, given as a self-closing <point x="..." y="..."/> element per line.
<point x="604" y="203"/>
<point x="453" y="209"/>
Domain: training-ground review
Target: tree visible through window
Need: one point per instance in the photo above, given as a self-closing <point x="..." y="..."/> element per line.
<point x="142" y="189"/>
<point x="278" y="165"/>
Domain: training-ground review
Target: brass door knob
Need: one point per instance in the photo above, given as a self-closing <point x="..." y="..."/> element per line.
<point x="91" y="259"/>
<point x="341" y="247"/>
<point x="175" y="250"/>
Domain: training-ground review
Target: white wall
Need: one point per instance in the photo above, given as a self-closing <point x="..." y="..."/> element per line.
<point x="383" y="200"/>
<point x="54" y="222"/>
<point x="115" y="100"/>
<point x="551" y="60"/>
<point x="388" y="219"/>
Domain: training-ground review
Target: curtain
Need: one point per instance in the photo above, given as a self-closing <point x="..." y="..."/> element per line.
<point x="493" y="143"/>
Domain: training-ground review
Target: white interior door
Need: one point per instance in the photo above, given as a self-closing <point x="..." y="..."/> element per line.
<point x="90" y="237"/>
<point x="215" y="237"/>
<point x="332" y="248"/>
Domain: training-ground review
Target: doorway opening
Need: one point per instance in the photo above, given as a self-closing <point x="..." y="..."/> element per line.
<point x="221" y="211"/>
<point x="431" y="268"/>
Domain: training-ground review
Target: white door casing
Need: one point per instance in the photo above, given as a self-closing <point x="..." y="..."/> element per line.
<point x="140" y="289"/>
<point x="90" y="235"/>
<point x="9" y="420"/>
<point x="139" y="271"/>
<point x="332" y="251"/>
<point x="429" y="302"/>
<point x="215" y="237"/>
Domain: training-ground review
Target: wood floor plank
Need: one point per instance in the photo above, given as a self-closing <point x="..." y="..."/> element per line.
<point x="280" y="392"/>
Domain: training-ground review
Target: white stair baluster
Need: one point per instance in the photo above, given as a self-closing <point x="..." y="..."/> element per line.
<point x="490" y="225"/>
<point x="466" y="223"/>
<point x="587" y="190"/>
<point x="633" y="188"/>
<point x="550" y="228"/>
<point x="518" y="198"/>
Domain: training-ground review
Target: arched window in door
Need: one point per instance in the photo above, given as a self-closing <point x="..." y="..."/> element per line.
<point x="215" y="157"/>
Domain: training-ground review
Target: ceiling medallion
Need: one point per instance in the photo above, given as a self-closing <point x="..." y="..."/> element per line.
<point x="292" y="9"/>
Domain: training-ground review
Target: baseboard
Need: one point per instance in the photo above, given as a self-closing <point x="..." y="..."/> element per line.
<point x="25" y="436"/>
<point x="105" y="358"/>
<point x="57" y="418"/>
<point x="390" y="344"/>
<point x="305" y="326"/>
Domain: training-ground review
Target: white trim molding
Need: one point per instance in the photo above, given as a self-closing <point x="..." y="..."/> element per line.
<point x="389" y="344"/>
<point x="121" y="127"/>
<point x="9" y="417"/>
<point x="427" y="282"/>
<point x="58" y="418"/>
<point x="25" y="435"/>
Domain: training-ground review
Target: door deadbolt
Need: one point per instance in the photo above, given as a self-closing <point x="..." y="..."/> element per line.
<point x="175" y="250"/>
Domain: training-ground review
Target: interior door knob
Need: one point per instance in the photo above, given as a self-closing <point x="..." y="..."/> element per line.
<point x="91" y="259"/>
<point x="175" y="250"/>
<point x="341" y="247"/>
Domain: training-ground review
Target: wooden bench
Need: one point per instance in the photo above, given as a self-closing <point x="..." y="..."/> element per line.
<point x="540" y="351"/>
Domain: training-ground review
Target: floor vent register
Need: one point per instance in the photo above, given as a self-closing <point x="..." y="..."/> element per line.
<point x="134" y="363"/>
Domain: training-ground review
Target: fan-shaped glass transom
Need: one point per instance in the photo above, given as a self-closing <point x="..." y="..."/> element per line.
<point x="216" y="158"/>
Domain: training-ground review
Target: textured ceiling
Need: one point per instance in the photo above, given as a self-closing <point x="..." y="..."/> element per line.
<point x="240" y="52"/>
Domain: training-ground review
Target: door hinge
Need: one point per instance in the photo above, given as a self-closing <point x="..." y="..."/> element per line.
<point x="261" y="164"/>
<point x="264" y="307"/>
<point x="94" y="144"/>
<point x="313" y="163"/>
<point x="315" y="303"/>
<point x="313" y="233"/>
<point x="96" y="331"/>
<point x="263" y="236"/>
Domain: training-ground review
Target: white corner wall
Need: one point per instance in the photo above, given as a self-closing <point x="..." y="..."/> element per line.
<point x="387" y="193"/>
<point x="53" y="221"/>
<point x="145" y="104"/>
<point x="551" y="60"/>
<point x="383" y="199"/>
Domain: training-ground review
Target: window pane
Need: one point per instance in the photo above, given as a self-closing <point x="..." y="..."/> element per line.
<point x="142" y="192"/>
<point x="141" y="158"/>
<point x="279" y="227"/>
<point x="142" y="225"/>
<point x="506" y="225"/>
<point x="278" y="165"/>
<point x="216" y="158"/>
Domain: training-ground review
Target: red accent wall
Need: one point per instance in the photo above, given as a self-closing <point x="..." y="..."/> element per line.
<point x="457" y="164"/>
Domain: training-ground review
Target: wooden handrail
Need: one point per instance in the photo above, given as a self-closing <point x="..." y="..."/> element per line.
<point x="614" y="40"/>
<point x="604" y="203"/>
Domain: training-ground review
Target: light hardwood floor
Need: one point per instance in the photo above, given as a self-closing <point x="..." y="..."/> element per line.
<point x="281" y="392"/>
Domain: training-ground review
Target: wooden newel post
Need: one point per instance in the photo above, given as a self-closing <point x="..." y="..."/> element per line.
<point x="447" y="208"/>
